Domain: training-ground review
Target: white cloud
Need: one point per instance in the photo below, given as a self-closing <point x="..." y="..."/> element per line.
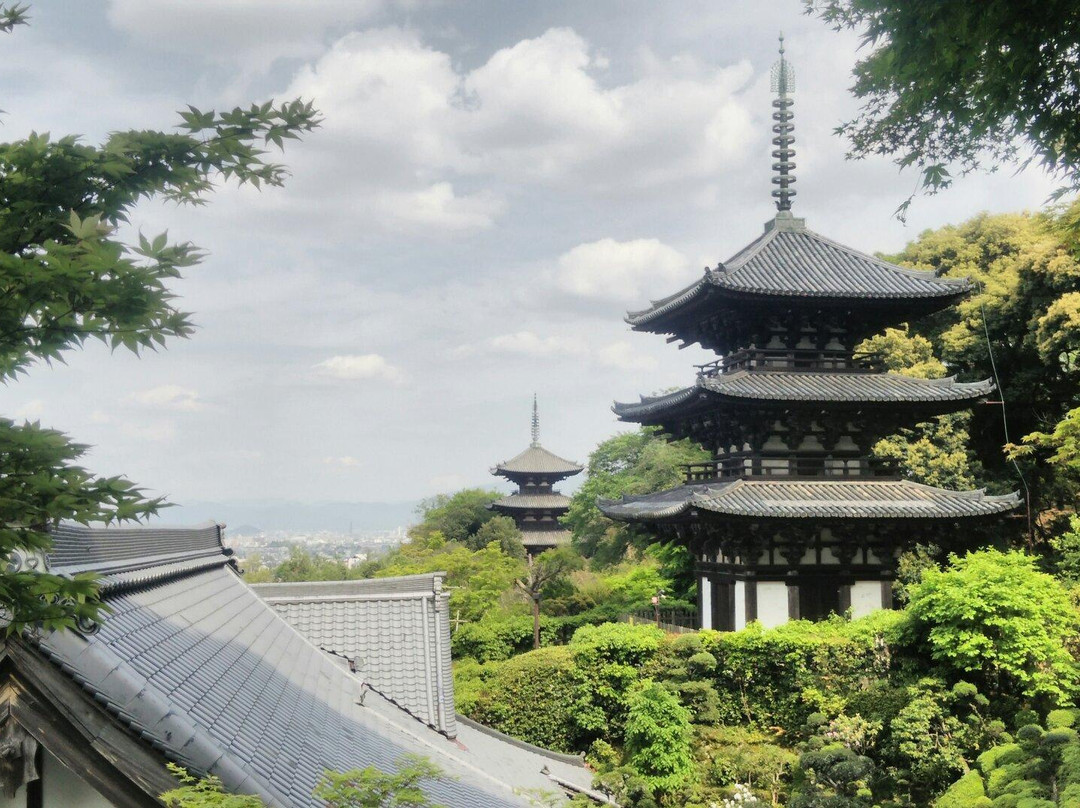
<point x="359" y="367"/>
<point x="411" y="141"/>
<point x="346" y="461"/>
<point x="30" y="411"/>
<point x="621" y="271"/>
<point x="620" y="355"/>
<point x="169" y="397"/>
<point x="252" y="33"/>
<point x="153" y="432"/>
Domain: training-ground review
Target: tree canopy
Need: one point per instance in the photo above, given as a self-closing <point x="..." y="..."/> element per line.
<point x="957" y="87"/>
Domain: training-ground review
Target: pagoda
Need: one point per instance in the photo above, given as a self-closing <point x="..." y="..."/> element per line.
<point x="794" y="517"/>
<point x="536" y="506"/>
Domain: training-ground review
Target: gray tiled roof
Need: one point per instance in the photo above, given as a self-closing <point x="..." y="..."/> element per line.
<point x="396" y="630"/>
<point x="789" y="260"/>
<point x="545" y="538"/>
<point x="198" y="666"/>
<point x="532" y="501"/>
<point x="538" y="460"/>
<point x="812" y="387"/>
<point x="848" y="499"/>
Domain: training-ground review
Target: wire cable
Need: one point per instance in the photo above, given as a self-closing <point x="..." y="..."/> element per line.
<point x="1005" y="418"/>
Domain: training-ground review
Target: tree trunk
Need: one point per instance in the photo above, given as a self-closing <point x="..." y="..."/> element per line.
<point x="536" y="622"/>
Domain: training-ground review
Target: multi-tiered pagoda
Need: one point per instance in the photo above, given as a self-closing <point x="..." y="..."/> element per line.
<point x="536" y="506"/>
<point x="794" y="517"/>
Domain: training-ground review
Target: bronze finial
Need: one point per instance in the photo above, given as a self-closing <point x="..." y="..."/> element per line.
<point x="783" y="82"/>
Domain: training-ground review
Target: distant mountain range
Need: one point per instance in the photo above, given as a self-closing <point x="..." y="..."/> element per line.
<point x="250" y="517"/>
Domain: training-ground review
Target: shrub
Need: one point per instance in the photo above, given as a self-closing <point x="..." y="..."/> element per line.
<point x="658" y="737"/>
<point x="994" y="614"/>
<point x="533" y="697"/>
<point x="966" y="792"/>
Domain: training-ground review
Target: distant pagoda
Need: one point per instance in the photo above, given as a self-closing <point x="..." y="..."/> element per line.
<point x="794" y="517"/>
<point x="536" y="507"/>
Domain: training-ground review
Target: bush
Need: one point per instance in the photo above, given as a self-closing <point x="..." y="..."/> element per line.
<point x="533" y="697"/>
<point x="966" y="792"/>
<point x="658" y="737"/>
<point x="995" y="615"/>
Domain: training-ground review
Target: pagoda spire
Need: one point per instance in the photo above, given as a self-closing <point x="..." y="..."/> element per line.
<point x="783" y="82"/>
<point x="535" y="423"/>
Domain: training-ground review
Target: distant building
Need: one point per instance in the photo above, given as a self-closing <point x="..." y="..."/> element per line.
<point x="191" y="666"/>
<point x="794" y="517"/>
<point x="536" y="506"/>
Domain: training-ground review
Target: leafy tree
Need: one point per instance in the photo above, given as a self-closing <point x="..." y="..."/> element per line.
<point x="478" y="580"/>
<point x="1066" y="552"/>
<point x="658" y="736"/>
<point x="546" y="570"/>
<point x="255" y="571"/>
<point x="994" y="616"/>
<point x="1024" y="267"/>
<point x="302" y="565"/>
<point x="456" y="516"/>
<point x="371" y="788"/>
<point x="956" y="87"/>
<point x="204" y="792"/>
<point x="67" y="278"/>
<point x="503" y="531"/>
<point x="632" y="463"/>
<point x="357" y="788"/>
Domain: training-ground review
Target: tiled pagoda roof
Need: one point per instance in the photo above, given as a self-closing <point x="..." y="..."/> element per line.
<point x="537" y="460"/>
<point x="810" y="499"/>
<point x="789" y="260"/>
<point x="802" y="386"/>
<point x="532" y="501"/>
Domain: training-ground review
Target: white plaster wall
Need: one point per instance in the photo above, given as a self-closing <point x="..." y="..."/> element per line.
<point x="772" y="603"/>
<point x="705" y="585"/>
<point x="740" y="605"/>
<point x="865" y="597"/>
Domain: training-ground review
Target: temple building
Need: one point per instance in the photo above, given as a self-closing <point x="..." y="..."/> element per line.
<point x="265" y="690"/>
<point x="536" y="506"/>
<point x="794" y="517"/>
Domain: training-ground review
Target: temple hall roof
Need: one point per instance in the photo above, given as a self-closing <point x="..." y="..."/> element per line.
<point x="802" y="386"/>
<point x="200" y="668"/>
<point x="392" y="629"/>
<point x="544" y="538"/>
<point x="789" y="260"/>
<point x="810" y="499"/>
<point x="537" y="460"/>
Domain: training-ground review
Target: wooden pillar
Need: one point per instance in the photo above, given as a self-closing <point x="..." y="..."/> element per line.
<point x="751" y="599"/>
<point x="886" y="594"/>
<point x="792" y="599"/>
<point x="845" y="598"/>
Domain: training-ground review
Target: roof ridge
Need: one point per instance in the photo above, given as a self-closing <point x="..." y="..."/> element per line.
<point x="749" y="251"/>
<point x="909" y="271"/>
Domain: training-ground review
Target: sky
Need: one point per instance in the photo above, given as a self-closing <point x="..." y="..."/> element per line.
<point x="494" y="185"/>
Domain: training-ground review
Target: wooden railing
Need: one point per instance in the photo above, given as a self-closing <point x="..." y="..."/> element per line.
<point x="795" y="359"/>
<point x="750" y="465"/>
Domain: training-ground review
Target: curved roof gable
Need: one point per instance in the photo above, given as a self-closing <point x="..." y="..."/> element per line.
<point x="538" y="460"/>
<point x="789" y="260"/>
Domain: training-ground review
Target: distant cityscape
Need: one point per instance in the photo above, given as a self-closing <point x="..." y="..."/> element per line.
<point x="273" y="546"/>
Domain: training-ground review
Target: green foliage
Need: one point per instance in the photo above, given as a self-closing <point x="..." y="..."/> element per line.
<point x="631" y="463"/>
<point x="456" y="516"/>
<point x="1027" y="272"/>
<point x="729" y="755"/>
<point x="302" y="565"/>
<point x="1066" y="552"/>
<point x="478" y="579"/>
<point x="993" y="615"/>
<point x="833" y="777"/>
<point x="658" y="737"/>
<point x="967" y="792"/>
<point x="371" y="788"/>
<point x="205" y="792"/>
<point x="955" y="87"/>
<point x="548" y="681"/>
<point x="502" y="531"/>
